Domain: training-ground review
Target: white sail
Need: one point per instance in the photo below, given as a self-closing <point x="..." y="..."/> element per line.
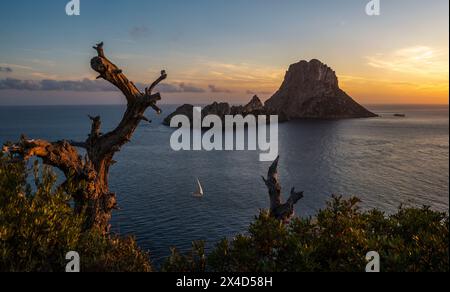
<point x="199" y="192"/>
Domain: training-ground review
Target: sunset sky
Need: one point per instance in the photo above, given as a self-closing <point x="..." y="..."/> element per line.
<point x="223" y="50"/>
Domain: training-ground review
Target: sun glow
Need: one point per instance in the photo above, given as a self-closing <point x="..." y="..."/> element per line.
<point x="417" y="74"/>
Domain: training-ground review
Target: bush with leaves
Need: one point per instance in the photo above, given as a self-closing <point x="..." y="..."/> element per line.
<point x="194" y="262"/>
<point x="337" y="240"/>
<point x="38" y="227"/>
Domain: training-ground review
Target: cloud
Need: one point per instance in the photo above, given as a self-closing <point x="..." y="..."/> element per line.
<point x="419" y="71"/>
<point x="42" y="75"/>
<point x="215" y="89"/>
<point x="43" y="62"/>
<point x="251" y="92"/>
<point x="11" y="83"/>
<point x="245" y="73"/>
<point x="164" y="87"/>
<point x="86" y="85"/>
<point x="83" y="85"/>
<point x="15" y="66"/>
<point x="416" y="60"/>
<point x="229" y="77"/>
<point x="173" y="88"/>
<point x="137" y="32"/>
<point x="54" y="85"/>
<point x="190" y="88"/>
<point x="6" y="69"/>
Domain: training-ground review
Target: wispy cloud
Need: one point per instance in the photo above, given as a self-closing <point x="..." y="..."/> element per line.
<point x="255" y="92"/>
<point x="244" y="72"/>
<point x="16" y="66"/>
<point x="366" y="81"/>
<point x="176" y="88"/>
<point x="43" y="62"/>
<point x="6" y="70"/>
<point x="86" y="85"/>
<point x="418" y="60"/>
<point x="16" y="84"/>
<point x="54" y="85"/>
<point x="220" y="77"/>
<point x="416" y="72"/>
<point x="190" y="88"/>
<point x="215" y="89"/>
<point x="43" y="75"/>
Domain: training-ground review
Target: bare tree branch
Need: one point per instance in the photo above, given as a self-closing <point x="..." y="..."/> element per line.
<point x="113" y="74"/>
<point x="91" y="173"/>
<point x="283" y="212"/>
<point x="294" y="197"/>
<point x="148" y="90"/>
<point x="99" y="49"/>
<point x="95" y="128"/>
<point x="59" y="154"/>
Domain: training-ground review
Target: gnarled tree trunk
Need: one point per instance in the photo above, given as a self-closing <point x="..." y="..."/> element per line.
<point x="283" y="212"/>
<point x="89" y="175"/>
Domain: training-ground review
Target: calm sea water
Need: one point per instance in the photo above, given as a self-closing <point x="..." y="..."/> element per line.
<point x="385" y="161"/>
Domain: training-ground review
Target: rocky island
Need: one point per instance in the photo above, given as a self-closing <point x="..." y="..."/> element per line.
<point x="254" y="107"/>
<point x="310" y="90"/>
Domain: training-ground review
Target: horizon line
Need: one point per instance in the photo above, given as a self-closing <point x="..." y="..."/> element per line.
<point x="201" y="104"/>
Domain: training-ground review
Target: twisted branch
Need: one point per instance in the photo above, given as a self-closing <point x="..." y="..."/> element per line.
<point x="95" y="199"/>
<point x="283" y="212"/>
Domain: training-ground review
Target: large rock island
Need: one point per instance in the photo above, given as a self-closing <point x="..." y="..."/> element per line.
<point x="311" y="90"/>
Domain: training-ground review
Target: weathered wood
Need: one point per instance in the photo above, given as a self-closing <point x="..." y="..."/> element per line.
<point x="283" y="212"/>
<point x="91" y="173"/>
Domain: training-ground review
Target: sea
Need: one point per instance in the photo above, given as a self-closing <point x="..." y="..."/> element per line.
<point x="387" y="162"/>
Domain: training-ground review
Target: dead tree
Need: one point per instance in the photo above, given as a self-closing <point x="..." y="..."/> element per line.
<point x="90" y="173"/>
<point x="283" y="212"/>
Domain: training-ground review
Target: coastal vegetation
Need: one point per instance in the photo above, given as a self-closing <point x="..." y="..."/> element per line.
<point x="38" y="226"/>
<point x="336" y="240"/>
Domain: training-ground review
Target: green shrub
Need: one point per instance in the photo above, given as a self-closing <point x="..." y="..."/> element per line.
<point x="112" y="254"/>
<point x="38" y="227"/>
<point x="338" y="239"/>
<point x="194" y="262"/>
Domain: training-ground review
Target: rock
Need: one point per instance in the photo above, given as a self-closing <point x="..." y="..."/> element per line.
<point x="311" y="90"/>
<point x="185" y="110"/>
<point x="219" y="109"/>
<point x="254" y="107"/>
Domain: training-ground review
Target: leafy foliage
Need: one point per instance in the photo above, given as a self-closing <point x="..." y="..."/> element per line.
<point x="38" y="227"/>
<point x="195" y="261"/>
<point x="112" y="254"/>
<point x="413" y="240"/>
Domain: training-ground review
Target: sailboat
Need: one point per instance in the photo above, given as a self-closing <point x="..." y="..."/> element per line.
<point x="199" y="193"/>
